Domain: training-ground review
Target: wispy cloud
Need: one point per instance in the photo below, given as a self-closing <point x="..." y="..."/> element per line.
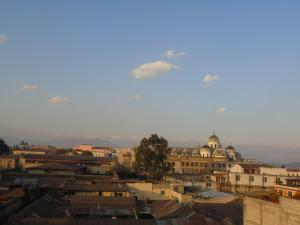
<point x="209" y="79"/>
<point x="174" y="54"/>
<point x="135" y="97"/>
<point x="221" y="110"/>
<point x="58" y="100"/>
<point x="3" y="39"/>
<point x="29" y="88"/>
<point x="152" y="69"/>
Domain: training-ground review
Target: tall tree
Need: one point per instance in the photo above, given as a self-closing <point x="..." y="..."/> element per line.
<point x="151" y="156"/>
<point x="4" y="148"/>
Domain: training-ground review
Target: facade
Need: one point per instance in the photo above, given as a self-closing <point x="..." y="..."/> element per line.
<point x="250" y="177"/>
<point x="125" y="157"/>
<point x="206" y="159"/>
<point x="94" y="165"/>
<point x="18" y="151"/>
<point x="291" y="189"/>
<point x="9" y="162"/>
<point x="98" y="189"/>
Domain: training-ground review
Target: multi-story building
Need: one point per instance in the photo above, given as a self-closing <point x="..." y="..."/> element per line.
<point x="206" y="159"/>
<point x="249" y="177"/>
<point x="291" y="189"/>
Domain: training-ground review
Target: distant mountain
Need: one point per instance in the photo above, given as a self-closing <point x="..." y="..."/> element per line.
<point x="294" y="165"/>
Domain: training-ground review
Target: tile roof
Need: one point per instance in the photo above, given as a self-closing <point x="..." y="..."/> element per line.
<point x="170" y="209"/>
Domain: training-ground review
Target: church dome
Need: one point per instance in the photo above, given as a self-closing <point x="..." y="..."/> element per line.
<point x="213" y="141"/>
<point x="206" y="147"/>
<point x="230" y="148"/>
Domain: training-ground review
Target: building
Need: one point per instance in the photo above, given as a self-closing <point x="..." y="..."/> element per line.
<point x="98" y="189"/>
<point x="34" y="151"/>
<point x="58" y="168"/>
<point x="291" y="189"/>
<point x="206" y="159"/>
<point x="9" y="162"/>
<point x="96" y="151"/>
<point x="94" y="165"/>
<point x="286" y="211"/>
<point x="125" y="157"/>
<point x="249" y="177"/>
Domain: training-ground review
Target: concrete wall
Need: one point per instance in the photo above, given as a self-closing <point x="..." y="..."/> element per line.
<point x="260" y="212"/>
<point x="150" y="191"/>
<point x="181" y="198"/>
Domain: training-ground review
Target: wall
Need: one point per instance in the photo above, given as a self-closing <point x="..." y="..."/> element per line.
<point x="181" y="198"/>
<point x="150" y="191"/>
<point x="260" y="212"/>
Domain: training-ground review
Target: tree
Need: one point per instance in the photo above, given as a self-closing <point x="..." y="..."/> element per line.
<point x="151" y="157"/>
<point x="4" y="148"/>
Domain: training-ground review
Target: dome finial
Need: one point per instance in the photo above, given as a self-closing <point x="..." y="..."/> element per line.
<point x="214" y="132"/>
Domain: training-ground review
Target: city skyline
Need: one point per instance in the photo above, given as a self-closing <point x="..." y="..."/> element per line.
<point x="101" y="70"/>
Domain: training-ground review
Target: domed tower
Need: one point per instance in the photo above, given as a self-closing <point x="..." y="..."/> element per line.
<point x="213" y="141"/>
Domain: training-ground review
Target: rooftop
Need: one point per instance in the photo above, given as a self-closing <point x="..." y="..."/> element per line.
<point x="109" y="187"/>
<point x="58" y="166"/>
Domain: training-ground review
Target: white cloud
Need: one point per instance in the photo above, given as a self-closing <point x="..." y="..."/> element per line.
<point x="173" y="54"/>
<point x="58" y="100"/>
<point x="152" y="69"/>
<point x="136" y="97"/>
<point x="221" y="109"/>
<point x="209" y="79"/>
<point x="29" y="87"/>
<point x="3" y="39"/>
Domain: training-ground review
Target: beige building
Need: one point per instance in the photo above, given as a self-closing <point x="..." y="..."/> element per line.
<point x="9" y="162"/>
<point x="291" y="189"/>
<point x="94" y="165"/>
<point x="262" y="212"/>
<point x="206" y="159"/>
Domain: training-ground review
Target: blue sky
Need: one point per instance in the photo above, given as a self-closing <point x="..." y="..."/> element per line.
<point x="100" y="69"/>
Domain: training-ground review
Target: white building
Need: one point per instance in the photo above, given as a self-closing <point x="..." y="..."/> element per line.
<point x="248" y="177"/>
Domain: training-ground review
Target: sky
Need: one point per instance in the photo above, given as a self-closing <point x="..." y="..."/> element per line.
<point x="121" y="70"/>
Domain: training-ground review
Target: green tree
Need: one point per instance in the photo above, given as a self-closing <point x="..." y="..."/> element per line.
<point x="4" y="148"/>
<point x="151" y="157"/>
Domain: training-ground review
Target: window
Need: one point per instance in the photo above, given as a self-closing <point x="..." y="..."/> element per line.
<point x="162" y="192"/>
<point x="251" y="178"/>
<point x="182" y="163"/>
<point x="192" y="164"/>
<point x="187" y="164"/>
<point x="237" y="177"/>
<point x="205" y="165"/>
<point x="265" y="179"/>
<point x="208" y="184"/>
<point x="196" y="164"/>
<point x="212" y="165"/>
<point x="290" y="194"/>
